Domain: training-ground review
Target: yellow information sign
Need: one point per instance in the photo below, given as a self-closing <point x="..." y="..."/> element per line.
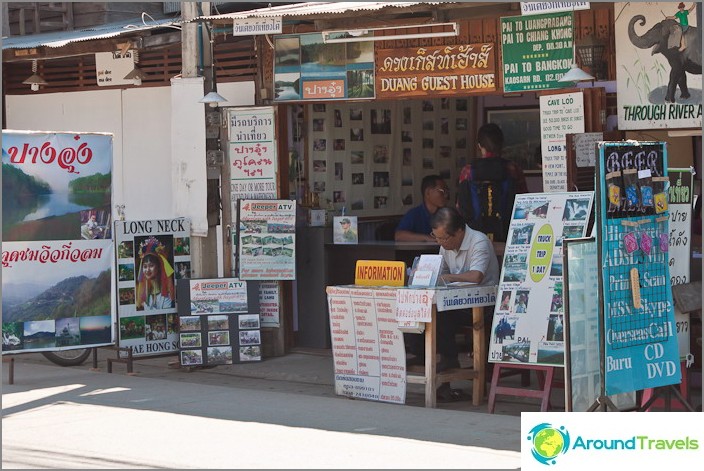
<point x="379" y="273"/>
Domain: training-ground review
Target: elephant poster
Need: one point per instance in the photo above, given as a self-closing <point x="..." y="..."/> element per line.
<point x="659" y="65"/>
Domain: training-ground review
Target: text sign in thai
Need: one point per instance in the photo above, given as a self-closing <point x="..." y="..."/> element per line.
<point x="435" y="71"/>
<point x="414" y="305"/>
<point x="535" y="8"/>
<point x="536" y="50"/>
<point x="251" y="26"/>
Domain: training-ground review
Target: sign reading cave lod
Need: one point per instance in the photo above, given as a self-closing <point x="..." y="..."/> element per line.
<point x="435" y="71"/>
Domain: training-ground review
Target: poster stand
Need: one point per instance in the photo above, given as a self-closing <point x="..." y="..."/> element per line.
<point x="545" y="374"/>
<point x="11" y="369"/>
<point x="666" y="393"/>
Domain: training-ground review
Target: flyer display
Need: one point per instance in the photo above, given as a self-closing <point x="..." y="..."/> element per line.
<point x="367" y="347"/>
<point x="152" y="256"/>
<point x="638" y="311"/>
<point x="216" y="325"/>
<point x="528" y="325"/>
<point x="267" y="240"/>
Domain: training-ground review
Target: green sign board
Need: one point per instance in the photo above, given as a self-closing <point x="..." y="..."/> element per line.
<point x="536" y="50"/>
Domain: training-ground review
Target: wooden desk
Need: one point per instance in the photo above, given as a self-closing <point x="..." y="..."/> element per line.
<point x="428" y="374"/>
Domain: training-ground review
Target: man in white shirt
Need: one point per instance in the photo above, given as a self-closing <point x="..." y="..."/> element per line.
<point x="469" y="257"/>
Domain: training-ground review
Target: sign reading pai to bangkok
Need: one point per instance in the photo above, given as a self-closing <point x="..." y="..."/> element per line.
<point x="435" y="71"/>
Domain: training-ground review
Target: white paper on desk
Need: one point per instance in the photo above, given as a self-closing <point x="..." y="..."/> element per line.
<point x="422" y="278"/>
<point x="460" y="283"/>
<point x="414" y="305"/>
<point x="428" y="263"/>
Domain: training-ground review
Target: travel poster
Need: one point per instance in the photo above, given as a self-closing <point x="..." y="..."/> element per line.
<point x="306" y="68"/>
<point x="152" y="257"/>
<point x="216" y="325"/>
<point x="56" y="186"/>
<point x="528" y="325"/>
<point x="658" y="68"/>
<point x="638" y="310"/>
<point x="367" y="346"/>
<point x="267" y="240"/>
<point x="57" y="295"/>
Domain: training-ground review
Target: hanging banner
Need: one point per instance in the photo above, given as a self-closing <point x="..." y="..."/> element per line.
<point x="536" y="51"/>
<point x="57" y="279"/>
<point x="559" y="115"/>
<point x="56" y="186"/>
<point x="367" y="347"/>
<point x="435" y="71"/>
<point x="56" y="295"/>
<point x="216" y="325"/>
<point x="638" y="311"/>
<point x="528" y="325"/>
<point x="306" y="68"/>
<point x="658" y="68"/>
<point x="152" y="256"/>
<point x="267" y="240"/>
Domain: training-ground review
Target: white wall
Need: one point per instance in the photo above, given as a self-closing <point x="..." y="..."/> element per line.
<point x="139" y="119"/>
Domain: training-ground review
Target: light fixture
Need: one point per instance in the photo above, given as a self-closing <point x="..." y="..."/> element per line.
<point x="367" y="34"/>
<point x="34" y="80"/>
<point x="212" y="98"/>
<point x="591" y="55"/>
<point x="136" y="74"/>
<point x="575" y="74"/>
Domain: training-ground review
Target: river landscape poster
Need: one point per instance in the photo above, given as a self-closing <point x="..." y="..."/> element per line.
<point x="56" y="185"/>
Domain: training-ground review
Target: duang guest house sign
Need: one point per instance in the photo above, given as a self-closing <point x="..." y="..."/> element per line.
<point x="435" y="71"/>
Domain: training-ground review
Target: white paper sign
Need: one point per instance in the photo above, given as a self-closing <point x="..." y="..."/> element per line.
<point x="559" y="115"/>
<point x="111" y="68"/>
<point x="585" y="148"/>
<point x="536" y="8"/>
<point x="414" y="305"/>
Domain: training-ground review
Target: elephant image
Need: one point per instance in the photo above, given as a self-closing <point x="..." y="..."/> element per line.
<point x="664" y="37"/>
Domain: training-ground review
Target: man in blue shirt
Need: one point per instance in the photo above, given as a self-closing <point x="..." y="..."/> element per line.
<point x="415" y="224"/>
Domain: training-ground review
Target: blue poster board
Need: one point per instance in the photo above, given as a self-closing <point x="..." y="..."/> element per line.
<point x="638" y="312"/>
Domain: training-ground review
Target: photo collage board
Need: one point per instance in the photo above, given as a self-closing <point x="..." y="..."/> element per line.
<point x="217" y="324"/>
<point x="57" y="250"/>
<point x="528" y="324"/>
<point x="152" y="257"/>
<point x="370" y="157"/>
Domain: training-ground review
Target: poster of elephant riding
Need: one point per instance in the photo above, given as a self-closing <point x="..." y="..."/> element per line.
<point x="659" y="65"/>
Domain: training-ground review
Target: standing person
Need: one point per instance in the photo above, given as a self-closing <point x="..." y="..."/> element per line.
<point x="415" y="224"/>
<point x="488" y="186"/>
<point x="155" y="283"/>
<point x="468" y="256"/>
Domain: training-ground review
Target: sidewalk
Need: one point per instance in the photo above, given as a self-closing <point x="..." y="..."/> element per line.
<point x="280" y="413"/>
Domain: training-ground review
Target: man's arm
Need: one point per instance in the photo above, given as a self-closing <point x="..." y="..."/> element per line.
<point x="472" y="276"/>
<point x="407" y="236"/>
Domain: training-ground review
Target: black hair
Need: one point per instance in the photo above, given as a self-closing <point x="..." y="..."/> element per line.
<point x="429" y="181"/>
<point x="448" y="218"/>
<point x="491" y="137"/>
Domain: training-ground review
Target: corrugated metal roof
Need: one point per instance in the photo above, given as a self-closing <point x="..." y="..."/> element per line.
<point x="313" y="8"/>
<point x="62" y="38"/>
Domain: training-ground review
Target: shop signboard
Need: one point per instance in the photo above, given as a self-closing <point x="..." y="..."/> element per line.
<point x="152" y="257"/>
<point x="638" y="313"/>
<point x="528" y="325"/>
<point x="217" y="326"/>
<point x="560" y="115"/>
<point x="435" y="71"/>
<point x="534" y="8"/>
<point x="367" y="346"/>
<point x="267" y="240"/>
<point x="306" y="68"/>
<point x="654" y="89"/>
<point x="536" y="51"/>
<point x="57" y="251"/>
<point x="680" y="244"/>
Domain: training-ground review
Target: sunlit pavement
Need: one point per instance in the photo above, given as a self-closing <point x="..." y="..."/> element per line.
<point x="75" y="418"/>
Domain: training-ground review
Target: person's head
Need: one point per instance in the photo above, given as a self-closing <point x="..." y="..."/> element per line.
<point x="150" y="267"/>
<point x="345" y="223"/>
<point x="490" y="138"/>
<point x="448" y="228"/>
<point x="680" y="6"/>
<point x="435" y="191"/>
<point x="92" y="218"/>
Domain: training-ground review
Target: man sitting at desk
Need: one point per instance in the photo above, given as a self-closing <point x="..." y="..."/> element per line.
<point x="415" y="224"/>
<point x="468" y="256"/>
